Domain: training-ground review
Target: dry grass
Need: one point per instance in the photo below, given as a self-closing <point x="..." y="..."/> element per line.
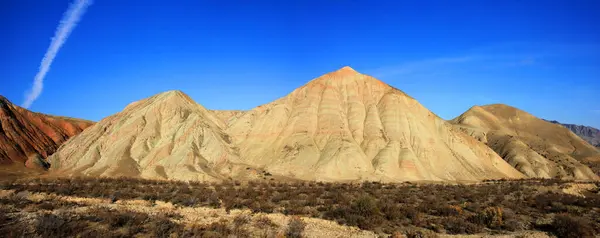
<point x="165" y="208"/>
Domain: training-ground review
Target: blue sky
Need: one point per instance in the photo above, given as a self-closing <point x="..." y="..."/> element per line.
<point x="540" y="56"/>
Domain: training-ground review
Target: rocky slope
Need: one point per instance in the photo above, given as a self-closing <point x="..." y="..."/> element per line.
<point x="535" y="147"/>
<point x="167" y="136"/>
<point x="588" y="133"/>
<point x="346" y="126"/>
<point x="228" y="116"/>
<point x="28" y="135"/>
<point x="343" y="126"/>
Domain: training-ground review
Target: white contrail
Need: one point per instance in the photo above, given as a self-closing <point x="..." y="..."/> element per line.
<point x="67" y="23"/>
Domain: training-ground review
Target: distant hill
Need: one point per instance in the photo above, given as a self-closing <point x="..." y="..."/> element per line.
<point x="588" y="133"/>
<point x="167" y="136"/>
<point x="28" y="138"/>
<point x="535" y="147"/>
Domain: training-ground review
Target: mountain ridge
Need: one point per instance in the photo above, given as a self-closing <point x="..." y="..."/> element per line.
<point x="588" y="133"/>
<point x="165" y="136"/>
<point x="28" y="137"/>
<point x="328" y="114"/>
<point x="341" y="126"/>
<point x="535" y="147"/>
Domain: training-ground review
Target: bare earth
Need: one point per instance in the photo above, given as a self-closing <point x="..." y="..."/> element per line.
<point x="167" y="136"/>
<point x="342" y="126"/>
<point x="535" y="147"/>
<point x="28" y="135"/>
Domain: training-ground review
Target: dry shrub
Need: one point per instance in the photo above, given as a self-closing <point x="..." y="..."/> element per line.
<point x="295" y="228"/>
<point x="568" y="226"/>
<point x="9" y="224"/>
<point x="46" y="205"/>
<point x="238" y="224"/>
<point x="413" y="232"/>
<point x="416" y="218"/>
<point x="365" y="213"/>
<point x="455" y="225"/>
<point x="372" y="206"/>
<point x="214" y="230"/>
<point x="445" y="210"/>
<point x="241" y="219"/>
<point x="392" y="212"/>
<point x="126" y="219"/>
<point x="50" y="225"/>
<point x="264" y="222"/>
<point x="491" y="217"/>
<point x="161" y="226"/>
<point x="515" y="224"/>
<point x="266" y="227"/>
<point x="134" y="222"/>
<point x="365" y="206"/>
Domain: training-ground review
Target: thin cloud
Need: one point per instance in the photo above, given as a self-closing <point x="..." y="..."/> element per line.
<point x="441" y="64"/>
<point x="70" y="19"/>
<point x="527" y="62"/>
<point x="418" y="66"/>
<point x="496" y="56"/>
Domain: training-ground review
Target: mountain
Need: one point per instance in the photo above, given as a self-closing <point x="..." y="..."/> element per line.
<point x="588" y="133"/>
<point x="28" y="135"/>
<point x="343" y="126"/>
<point x="535" y="147"/>
<point x="227" y="116"/>
<point x="346" y="126"/>
<point x="166" y="136"/>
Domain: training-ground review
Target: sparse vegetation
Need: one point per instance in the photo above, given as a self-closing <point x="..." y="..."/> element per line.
<point x="571" y="227"/>
<point x="295" y="228"/>
<point x="416" y="210"/>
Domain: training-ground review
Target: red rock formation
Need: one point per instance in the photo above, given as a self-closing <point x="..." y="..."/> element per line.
<point x="25" y="134"/>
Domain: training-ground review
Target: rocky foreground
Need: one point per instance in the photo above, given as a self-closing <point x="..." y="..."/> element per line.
<point x="52" y="207"/>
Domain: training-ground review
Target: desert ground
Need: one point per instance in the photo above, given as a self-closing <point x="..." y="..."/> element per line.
<point x="41" y="206"/>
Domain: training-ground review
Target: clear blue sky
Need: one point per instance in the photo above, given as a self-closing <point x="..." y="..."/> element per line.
<point x="540" y="56"/>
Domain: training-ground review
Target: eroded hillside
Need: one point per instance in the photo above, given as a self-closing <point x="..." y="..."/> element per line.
<point x="348" y="126"/>
<point x="535" y="147"/>
<point x="167" y="136"/>
<point x="28" y="138"/>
